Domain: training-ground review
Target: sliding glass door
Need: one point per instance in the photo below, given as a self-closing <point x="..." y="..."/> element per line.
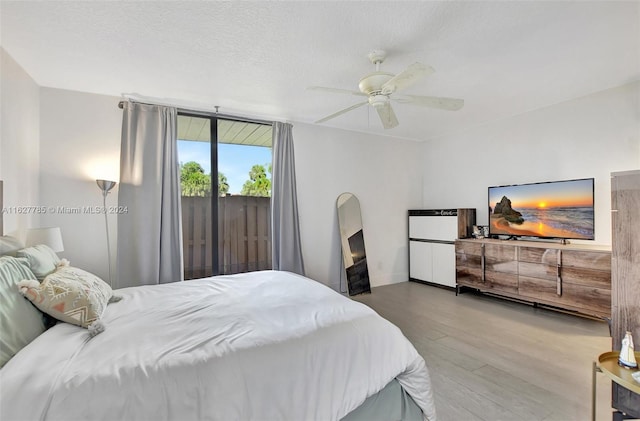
<point x="237" y="198"/>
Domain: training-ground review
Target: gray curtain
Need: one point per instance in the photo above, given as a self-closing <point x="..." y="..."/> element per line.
<point x="287" y="249"/>
<point x="150" y="232"/>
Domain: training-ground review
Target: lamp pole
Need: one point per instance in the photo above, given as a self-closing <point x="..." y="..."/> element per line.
<point x="106" y="186"/>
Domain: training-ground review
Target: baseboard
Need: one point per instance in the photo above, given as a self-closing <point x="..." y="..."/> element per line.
<point x="447" y="287"/>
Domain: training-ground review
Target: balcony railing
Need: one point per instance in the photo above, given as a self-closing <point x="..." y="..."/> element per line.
<point x="244" y="235"/>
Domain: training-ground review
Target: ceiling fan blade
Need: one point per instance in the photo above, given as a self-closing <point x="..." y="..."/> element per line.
<point x="335" y="90"/>
<point x="450" y="104"/>
<point x="387" y="116"/>
<point x="407" y="77"/>
<point x="346" y="110"/>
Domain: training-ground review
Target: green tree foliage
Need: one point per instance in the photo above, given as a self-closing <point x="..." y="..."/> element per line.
<point x="258" y="184"/>
<point x="194" y="182"/>
<point x="223" y="185"/>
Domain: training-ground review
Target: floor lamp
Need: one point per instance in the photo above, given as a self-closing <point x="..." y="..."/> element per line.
<point x="51" y="237"/>
<point x="106" y="186"/>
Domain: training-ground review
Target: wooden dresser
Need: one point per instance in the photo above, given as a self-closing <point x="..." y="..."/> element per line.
<point x="571" y="277"/>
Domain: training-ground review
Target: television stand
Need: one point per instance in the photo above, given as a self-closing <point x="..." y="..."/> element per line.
<point x="573" y="277"/>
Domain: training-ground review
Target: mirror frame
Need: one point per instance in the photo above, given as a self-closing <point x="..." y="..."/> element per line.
<point x="352" y="244"/>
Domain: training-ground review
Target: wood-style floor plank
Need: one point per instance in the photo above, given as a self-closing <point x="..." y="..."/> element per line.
<point x="492" y="359"/>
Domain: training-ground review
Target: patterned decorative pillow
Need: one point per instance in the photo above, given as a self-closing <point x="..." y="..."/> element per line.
<point x="69" y="294"/>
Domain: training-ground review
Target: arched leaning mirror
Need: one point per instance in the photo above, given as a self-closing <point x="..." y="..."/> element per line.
<point x="354" y="255"/>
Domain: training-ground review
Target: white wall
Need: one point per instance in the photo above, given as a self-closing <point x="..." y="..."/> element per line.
<point x="80" y="142"/>
<point x="384" y="173"/>
<point x="80" y="134"/>
<point x="586" y="137"/>
<point x="19" y="144"/>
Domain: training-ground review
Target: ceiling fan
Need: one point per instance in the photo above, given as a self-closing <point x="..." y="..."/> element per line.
<point x="380" y="88"/>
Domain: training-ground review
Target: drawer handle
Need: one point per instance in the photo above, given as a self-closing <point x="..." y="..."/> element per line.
<point x="482" y="263"/>
<point x="559" y="274"/>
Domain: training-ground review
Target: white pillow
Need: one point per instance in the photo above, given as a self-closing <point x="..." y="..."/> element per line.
<point x="9" y="245"/>
<point x="20" y="321"/>
<point x="42" y="259"/>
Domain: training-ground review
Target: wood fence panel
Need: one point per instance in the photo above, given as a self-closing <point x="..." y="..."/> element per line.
<point x="232" y="234"/>
<point x="244" y="235"/>
<point x="223" y="252"/>
<point x="263" y="230"/>
<point x="196" y="232"/>
<point x="208" y="235"/>
<point x="242" y="257"/>
<point x="199" y="247"/>
<point x="252" y="234"/>
<point x="187" y="239"/>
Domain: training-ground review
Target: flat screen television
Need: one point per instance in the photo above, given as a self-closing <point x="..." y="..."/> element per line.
<point x="555" y="209"/>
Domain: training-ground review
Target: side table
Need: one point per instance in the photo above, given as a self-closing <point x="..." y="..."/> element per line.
<point x="607" y="364"/>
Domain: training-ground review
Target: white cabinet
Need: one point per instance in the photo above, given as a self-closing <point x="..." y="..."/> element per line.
<point x="432" y="233"/>
<point x="429" y="262"/>
<point x="433" y="227"/>
<point x="420" y="261"/>
<point x="444" y="264"/>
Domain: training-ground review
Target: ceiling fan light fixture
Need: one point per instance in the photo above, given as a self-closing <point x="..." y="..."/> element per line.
<point x="378" y="101"/>
<point x="373" y="82"/>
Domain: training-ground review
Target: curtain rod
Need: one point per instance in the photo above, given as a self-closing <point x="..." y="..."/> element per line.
<point x="209" y="114"/>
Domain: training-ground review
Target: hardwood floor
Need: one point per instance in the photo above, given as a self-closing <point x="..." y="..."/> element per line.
<point x="492" y="359"/>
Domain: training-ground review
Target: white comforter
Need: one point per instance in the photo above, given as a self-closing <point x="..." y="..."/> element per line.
<point x="258" y="346"/>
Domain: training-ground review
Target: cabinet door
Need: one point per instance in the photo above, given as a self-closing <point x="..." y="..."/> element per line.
<point x="444" y="258"/>
<point x="586" y="280"/>
<point x="420" y="261"/>
<point x="501" y="268"/>
<point x="469" y="263"/>
<point x="501" y="258"/>
<point x="538" y="274"/>
<point x="443" y="228"/>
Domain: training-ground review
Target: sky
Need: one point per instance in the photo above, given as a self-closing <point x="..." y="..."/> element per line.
<point x="234" y="161"/>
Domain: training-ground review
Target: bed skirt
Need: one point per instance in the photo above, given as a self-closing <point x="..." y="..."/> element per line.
<point x="391" y="403"/>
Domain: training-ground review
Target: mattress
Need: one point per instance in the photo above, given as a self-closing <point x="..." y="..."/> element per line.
<point x="259" y="346"/>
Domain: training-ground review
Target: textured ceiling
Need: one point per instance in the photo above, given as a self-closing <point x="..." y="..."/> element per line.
<point x="234" y="132"/>
<point x="256" y="58"/>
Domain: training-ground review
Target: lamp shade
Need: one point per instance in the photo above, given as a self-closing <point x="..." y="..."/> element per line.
<point x="105" y="185"/>
<point x="51" y="237"/>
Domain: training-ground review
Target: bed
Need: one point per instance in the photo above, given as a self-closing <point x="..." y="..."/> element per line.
<point x="258" y="346"/>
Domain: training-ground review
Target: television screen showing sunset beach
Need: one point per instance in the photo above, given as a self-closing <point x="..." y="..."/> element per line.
<point x="559" y="209"/>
